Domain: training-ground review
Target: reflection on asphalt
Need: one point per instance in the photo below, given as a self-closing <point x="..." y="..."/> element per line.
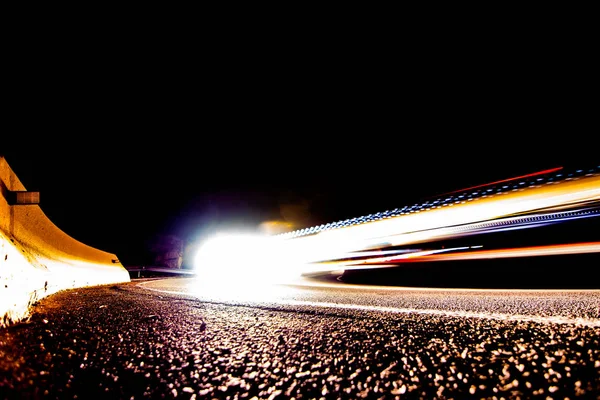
<point x="125" y="341"/>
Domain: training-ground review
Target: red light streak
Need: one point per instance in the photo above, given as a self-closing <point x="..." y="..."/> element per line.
<point x="546" y="171"/>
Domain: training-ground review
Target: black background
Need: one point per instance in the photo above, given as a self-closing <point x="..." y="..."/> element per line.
<point x="127" y="141"/>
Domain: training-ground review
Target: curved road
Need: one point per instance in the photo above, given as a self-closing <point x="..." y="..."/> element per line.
<point x="158" y="338"/>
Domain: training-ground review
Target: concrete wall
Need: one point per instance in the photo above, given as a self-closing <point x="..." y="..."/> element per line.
<point x="37" y="258"/>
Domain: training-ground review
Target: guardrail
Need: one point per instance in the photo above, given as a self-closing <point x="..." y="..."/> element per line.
<point x="37" y="258"/>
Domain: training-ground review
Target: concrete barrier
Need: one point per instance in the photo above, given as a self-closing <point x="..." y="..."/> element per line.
<point x="38" y="259"/>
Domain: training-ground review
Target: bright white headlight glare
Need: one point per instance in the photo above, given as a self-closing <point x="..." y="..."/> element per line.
<point x="240" y="258"/>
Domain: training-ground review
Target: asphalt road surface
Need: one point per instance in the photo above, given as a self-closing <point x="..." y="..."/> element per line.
<point x="173" y="338"/>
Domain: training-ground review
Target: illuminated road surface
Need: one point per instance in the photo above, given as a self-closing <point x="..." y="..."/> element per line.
<point x="545" y="306"/>
<point x="168" y="339"/>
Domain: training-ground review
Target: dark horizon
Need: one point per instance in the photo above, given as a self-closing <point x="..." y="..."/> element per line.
<point x="121" y="151"/>
<point x="122" y="204"/>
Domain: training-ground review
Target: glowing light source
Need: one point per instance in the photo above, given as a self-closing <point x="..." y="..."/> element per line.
<point x="244" y="259"/>
<point x="244" y="262"/>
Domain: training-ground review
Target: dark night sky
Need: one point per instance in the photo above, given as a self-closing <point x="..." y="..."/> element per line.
<point x="117" y="196"/>
<point x="124" y="151"/>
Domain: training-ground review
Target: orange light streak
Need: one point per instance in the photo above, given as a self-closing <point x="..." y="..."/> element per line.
<point x="550" y="250"/>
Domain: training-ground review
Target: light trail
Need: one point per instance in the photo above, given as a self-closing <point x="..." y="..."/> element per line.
<point x="378" y="243"/>
<point x="448" y="255"/>
<point x="490" y="213"/>
<point x="544" y="172"/>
